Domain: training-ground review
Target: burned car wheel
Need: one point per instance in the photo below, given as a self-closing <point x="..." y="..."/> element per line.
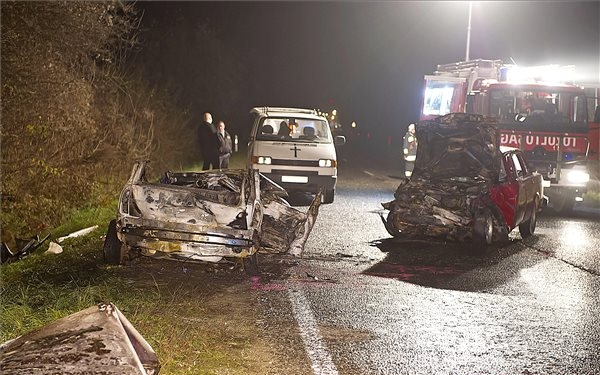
<point x="251" y="265"/>
<point x="528" y="227"/>
<point x="483" y="229"/>
<point x="113" y="249"/>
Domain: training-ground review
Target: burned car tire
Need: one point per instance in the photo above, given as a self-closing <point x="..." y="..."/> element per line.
<point x="113" y="249"/>
<point x="251" y="265"/>
<point x="328" y="196"/>
<point x="527" y="228"/>
<point x="483" y="229"/>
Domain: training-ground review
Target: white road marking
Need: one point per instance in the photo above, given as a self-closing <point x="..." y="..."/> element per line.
<point x="316" y="350"/>
<point x="369" y="173"/>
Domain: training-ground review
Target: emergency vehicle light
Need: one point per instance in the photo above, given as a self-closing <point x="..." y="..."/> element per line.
<point x="543" y="73"/>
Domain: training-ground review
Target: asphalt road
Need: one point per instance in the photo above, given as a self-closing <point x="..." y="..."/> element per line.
<point x="359" y="303"/>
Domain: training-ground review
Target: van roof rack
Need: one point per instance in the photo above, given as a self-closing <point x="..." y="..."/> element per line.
<point x="283" y="110"/>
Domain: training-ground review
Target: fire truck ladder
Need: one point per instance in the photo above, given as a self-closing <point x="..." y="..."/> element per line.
<point x="472" y="70"/>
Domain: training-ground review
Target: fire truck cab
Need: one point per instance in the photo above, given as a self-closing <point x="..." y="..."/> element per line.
<point x="542" y="114"/>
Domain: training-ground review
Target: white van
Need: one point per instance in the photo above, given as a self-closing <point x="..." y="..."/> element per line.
<point x="295" y="148"/>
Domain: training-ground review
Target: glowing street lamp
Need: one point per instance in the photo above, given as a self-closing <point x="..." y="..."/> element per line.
<point x="469" y="31"/>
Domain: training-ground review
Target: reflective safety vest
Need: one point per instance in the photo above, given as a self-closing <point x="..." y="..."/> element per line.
<point x="410" y="146"/>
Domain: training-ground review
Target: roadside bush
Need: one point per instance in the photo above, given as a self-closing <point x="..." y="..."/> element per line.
<point x="73" y="119"/>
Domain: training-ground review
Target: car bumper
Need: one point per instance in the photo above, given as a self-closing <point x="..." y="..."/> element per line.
<point x="305" y="181"/>
<point x="155" y="238"/>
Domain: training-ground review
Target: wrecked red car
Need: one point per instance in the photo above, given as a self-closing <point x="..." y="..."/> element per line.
<point x="464" y="186"/>
<point x="205" y="216"/>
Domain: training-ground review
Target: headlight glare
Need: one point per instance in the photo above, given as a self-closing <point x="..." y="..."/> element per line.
<point x="326" y="163"/>
<point x="578" y="176"/>
<point x="261" y="159"/>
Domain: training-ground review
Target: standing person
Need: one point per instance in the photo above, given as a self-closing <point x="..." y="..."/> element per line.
<point x="410" y="150"/>
<point x="209" y="142"/>
<point x="224" y="145"/>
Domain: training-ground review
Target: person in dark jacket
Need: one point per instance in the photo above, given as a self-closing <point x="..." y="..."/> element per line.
<point x="209" y="142"/>
<point x="225" y="145"/>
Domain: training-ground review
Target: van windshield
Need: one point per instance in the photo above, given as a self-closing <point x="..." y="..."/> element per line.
<point x="288" y="129"/>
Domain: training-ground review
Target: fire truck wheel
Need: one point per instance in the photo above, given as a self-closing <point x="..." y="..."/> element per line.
<point x="563" y="203"/>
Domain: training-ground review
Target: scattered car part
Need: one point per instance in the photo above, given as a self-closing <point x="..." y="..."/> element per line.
<point x="97" y="340"/>
<point x="54" y="248"/>
<point x="19" y="248"/>
<point x="79" y="233"/>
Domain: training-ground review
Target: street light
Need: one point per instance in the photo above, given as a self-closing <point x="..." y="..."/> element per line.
<point x="469" y="31"/>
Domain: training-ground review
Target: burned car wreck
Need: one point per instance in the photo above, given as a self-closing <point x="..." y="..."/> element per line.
<point x="464" y="186"/>
<point x="206" y="216"/>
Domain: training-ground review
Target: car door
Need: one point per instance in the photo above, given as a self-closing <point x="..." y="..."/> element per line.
<point x="530" y="185"/>
<point x="524" y="178"/>
<point x="506" y="193"/>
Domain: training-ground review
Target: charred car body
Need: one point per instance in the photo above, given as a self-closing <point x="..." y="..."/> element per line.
<point x="464" y="186"/>
<point x="205" y="216"/>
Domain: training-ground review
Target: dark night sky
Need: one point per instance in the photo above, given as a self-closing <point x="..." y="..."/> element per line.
<point x="367" y="59"/>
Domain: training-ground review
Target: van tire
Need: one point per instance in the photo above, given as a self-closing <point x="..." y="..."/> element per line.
<point x="328" y="196"/>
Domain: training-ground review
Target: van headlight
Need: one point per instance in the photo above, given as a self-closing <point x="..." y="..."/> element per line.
<point x="261" y="160"/>
<point x="327" y="163"/>
<point x="578" y="176"/>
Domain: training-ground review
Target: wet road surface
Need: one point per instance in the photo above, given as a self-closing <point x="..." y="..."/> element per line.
<point x="358" y="302"/>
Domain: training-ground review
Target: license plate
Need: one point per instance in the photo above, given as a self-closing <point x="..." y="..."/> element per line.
<point x="295" y="179"/>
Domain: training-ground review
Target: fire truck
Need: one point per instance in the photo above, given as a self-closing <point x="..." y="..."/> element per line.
<point x="539" y="110"/>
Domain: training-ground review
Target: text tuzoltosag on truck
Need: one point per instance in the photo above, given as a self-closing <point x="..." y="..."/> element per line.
<point x="538" y="111"/>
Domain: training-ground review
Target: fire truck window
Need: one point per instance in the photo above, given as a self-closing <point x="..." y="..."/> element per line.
<point x="438" y="98"/>
<point x="580" y="112"/>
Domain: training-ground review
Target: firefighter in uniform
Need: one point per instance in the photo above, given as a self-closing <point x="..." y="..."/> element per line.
<point x="410" y="150"/>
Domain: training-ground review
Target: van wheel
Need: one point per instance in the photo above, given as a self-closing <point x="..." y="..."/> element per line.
<point x="328" y="196"/>
<point x="114" y="250"/>
<point x="483" y="229"/>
